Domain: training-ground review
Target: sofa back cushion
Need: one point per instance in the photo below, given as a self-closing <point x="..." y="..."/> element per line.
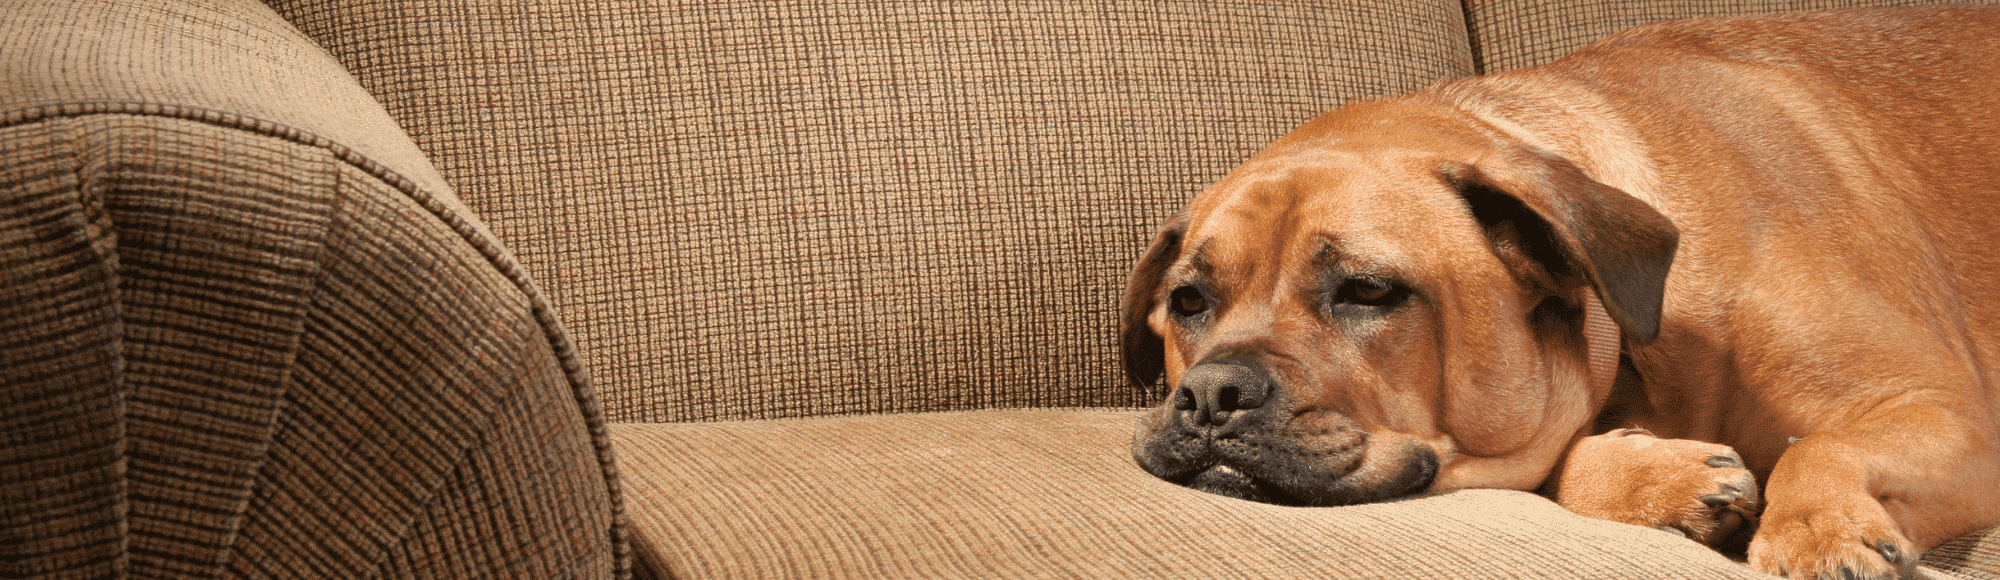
<point x="1511" y="34"/>
<point x="748" y="209"/>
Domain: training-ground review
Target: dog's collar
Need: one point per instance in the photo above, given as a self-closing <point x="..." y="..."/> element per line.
<point x="1601" y="343"/>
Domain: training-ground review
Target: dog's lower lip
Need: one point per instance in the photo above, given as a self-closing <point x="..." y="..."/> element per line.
<point x="1226" y="480"/>
<point x="1220" y="474"/>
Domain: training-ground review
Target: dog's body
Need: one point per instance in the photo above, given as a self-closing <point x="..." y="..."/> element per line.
<point x="1794" y="220"/>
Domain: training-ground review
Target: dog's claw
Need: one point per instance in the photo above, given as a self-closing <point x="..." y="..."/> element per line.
<point x="1889" y="552"/>
<point x="1725" y="494"/>
<point x="1724" y="461"/>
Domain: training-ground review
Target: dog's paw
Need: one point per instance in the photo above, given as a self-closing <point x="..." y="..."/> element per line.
<point x="1846" y="540"/>
<point x="1696" y="489"/>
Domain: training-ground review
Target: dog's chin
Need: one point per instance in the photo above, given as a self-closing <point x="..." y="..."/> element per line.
<point x="1227" y="481"/>
<point x="1268" y="461"/>
<point x="1408" y="475"/>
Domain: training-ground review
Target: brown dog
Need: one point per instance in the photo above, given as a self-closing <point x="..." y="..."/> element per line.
<point x="1791" y="220"/>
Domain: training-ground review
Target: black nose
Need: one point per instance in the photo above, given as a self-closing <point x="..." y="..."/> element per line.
<point x="1212" y="393"/>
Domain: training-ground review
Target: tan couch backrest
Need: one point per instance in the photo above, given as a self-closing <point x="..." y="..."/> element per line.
<point x="757" y="209"/>
<point x="751" y="209"/>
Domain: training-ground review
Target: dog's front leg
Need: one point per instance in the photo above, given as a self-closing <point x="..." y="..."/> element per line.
<point x="1696" y="489"/>
<point x="1867" y="499"/>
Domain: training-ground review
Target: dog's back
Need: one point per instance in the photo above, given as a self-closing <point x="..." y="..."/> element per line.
<point x="1862" y="172"/>
<point x="1833" y="178"/>
<point x="1839" y="267"/>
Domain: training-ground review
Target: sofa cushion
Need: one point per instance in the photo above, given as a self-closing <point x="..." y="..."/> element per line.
<point x="245" y="330"/>
<point x="753" y="209"/>
<point x="1054" y="494"/>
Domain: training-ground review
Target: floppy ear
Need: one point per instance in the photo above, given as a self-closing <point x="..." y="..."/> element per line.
<point x="1144" y="352"/>
<point x="1575" y="226"/>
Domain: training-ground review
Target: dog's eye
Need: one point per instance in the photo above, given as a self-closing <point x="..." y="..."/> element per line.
<point x="1369" y="292"/>
<point x="1187" y="301"/>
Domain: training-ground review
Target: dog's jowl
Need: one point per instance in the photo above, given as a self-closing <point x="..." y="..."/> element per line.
<point x="1730" y="255"/>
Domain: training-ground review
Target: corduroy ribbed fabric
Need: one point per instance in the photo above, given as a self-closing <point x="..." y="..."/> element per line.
<point x="1511" y="34"/>
<point x="750" y="209"/>
<point x="245" y="331"/>
<point x="1054" y="494"/>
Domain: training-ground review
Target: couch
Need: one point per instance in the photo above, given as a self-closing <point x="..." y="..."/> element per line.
<point x="616" y="288"/>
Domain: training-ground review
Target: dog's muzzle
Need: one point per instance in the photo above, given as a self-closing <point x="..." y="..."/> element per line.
<point x="1227" y="429"/>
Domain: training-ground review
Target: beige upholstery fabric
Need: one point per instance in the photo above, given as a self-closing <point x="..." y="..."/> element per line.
<point x="1054" y="494"/>
<point x="750" y="209"/>
<point x="245" y="331"/>
<point x="1511" y="34"/>
<point x="1974" y="556"/>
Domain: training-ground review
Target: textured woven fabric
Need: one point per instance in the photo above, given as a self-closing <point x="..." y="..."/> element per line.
<point x="1511" y="34"/>
<point x="754" y="209"/>
<point x="245" y="332"/>
<point x="1975" y="556"/>
<point x="60" y="398"/>
<point x="1054" y="494"/>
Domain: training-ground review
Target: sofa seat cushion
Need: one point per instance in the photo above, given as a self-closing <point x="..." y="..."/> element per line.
<point x="1054" y="493"/>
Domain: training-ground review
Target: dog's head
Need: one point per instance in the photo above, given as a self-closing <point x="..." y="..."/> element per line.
<point x="1387" y="301"/>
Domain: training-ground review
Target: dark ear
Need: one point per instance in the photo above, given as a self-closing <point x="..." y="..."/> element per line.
<point x="1144" y="352"/>
<point x="1575" y="226"/>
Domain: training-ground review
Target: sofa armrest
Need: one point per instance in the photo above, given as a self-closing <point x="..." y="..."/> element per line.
<point x="246" y="329"/>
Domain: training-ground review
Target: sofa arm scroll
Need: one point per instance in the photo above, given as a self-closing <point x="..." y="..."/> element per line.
<point x="250" y="332"/>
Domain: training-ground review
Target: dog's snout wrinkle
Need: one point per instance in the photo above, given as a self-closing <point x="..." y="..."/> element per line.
<point x="1211" y="394"/>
